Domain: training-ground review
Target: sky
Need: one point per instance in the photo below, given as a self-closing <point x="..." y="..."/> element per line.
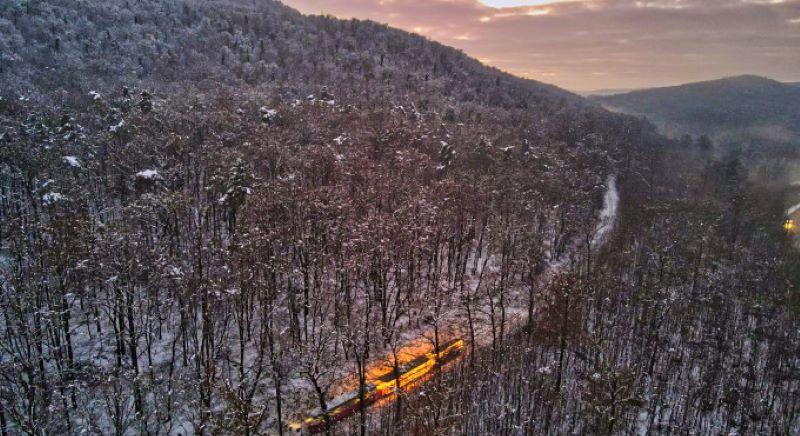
<point x="584" y="45"/>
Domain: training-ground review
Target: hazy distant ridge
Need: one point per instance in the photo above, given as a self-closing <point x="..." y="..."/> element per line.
<point x="716" y="106"/>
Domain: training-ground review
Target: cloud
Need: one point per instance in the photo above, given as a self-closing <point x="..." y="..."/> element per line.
<point x="594" y="44"/>
<point x="517" y="3"/>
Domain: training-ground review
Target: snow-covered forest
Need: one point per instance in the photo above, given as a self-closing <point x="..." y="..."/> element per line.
<point x="217" y="216"/>
<point x="685" y="324"/>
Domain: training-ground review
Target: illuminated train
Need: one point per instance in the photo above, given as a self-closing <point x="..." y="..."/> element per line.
<point x="382" y="387"/>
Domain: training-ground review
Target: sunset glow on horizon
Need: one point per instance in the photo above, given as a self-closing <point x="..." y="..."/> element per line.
<point x="516" y="3"/>
<point x="601" y="44"/>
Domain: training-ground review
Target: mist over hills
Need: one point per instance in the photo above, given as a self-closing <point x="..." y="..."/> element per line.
<point x="742" y="105"/>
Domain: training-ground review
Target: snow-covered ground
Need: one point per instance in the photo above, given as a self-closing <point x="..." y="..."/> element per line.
<point x="608" y="215"/>
<point x="97" y="349"/>
<point x="454" y="322"/>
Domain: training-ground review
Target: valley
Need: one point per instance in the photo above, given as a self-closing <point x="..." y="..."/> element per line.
<point x="227" y="217"/>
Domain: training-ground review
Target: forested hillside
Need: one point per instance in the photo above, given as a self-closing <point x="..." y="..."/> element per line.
<point x="758" y="118"/>
<point x="716" y="106"/>
<point x="174" y="44"/>
<point x="216" y="216"/>
<point x="752" y="117"/>
<point x="687" y="323"/>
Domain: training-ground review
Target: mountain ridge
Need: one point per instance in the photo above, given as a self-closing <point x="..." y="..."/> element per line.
<point x="205" y="43"/>
<point x="715" y="107"/>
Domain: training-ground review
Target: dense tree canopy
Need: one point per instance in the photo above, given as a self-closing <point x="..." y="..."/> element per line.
<point x="216" y="216"/>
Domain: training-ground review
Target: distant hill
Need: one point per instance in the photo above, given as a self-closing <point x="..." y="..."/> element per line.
<point x="753" y="106"/>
